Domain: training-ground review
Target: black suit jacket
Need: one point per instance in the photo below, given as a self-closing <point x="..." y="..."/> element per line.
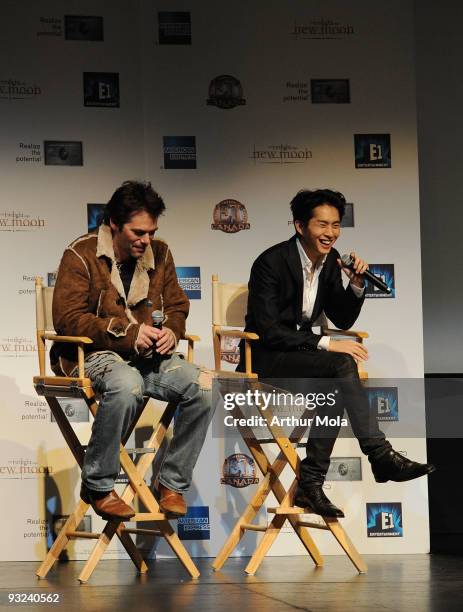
<point x="275" y="305"/>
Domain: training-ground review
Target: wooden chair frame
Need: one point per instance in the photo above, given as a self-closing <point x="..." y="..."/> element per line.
<point x="51" y="387"/>
<point x="271" y="470"/>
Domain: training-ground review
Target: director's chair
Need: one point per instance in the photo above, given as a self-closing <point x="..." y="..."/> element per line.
<point x="54" y="387"/>
<point x="229" y="303"/>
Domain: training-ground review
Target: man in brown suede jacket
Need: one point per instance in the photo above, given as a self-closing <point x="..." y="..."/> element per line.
<point x="108" y="285"/>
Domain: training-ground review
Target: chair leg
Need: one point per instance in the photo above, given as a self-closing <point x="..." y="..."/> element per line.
<point x="98" y="551"/>
<point x="131" y="549"/>
<point x="247" y="517"/>
<point x="341" y="536"/>
<point x="175" y="543"/>
<point x="263" y="547"/>
<point x="102" y="544"/>
<point x="302" y="532"/>
<point x="284" y="498"/>
<point x="306" y="540"/>
<point x="62" y="539"/>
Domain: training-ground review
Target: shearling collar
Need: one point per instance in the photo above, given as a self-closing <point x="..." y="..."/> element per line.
<point x="140" y="282"/>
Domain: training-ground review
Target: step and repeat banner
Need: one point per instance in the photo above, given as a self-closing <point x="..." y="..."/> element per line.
<point x="228" y="110"/>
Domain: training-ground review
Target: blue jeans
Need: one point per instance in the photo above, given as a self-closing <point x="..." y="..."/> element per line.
<point x="121" y="386"/>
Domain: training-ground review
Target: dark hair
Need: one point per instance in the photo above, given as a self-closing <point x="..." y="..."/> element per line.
<point x="305" y="201"/>
<point x="132" y="197"/>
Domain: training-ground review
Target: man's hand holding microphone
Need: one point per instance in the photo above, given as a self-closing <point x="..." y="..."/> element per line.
<point x="354" y="269"/>
<point x="160" y="339"/>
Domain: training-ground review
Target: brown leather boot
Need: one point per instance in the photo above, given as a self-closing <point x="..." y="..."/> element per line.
<point x="109" y="506"/>
<point x="171" y="502"/>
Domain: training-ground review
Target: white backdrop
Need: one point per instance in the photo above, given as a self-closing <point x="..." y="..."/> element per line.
<point x="163" y="92"/>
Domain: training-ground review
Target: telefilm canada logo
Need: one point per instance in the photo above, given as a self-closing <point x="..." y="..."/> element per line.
<point x="15" y="89"/>
<point x="179" y="152"/>
<point x="195" y="524"/>
<point x="384" y="402"/>
<point x="384" y="520"/>
<point x="386" y="273"/>
<point x="322" y="29"/>
<point x="281" y="154"/>
<point x="24" y="469"/>
<point x="372" y="151"/>
<point x="239" y="471"/>
<point x="63" y="153"/>
<point x="75" y="409"/>
<point x="230" y="216"/>
<point x="74" y="27"/>
<point x="17" y="221"/>
<point x="83" y="27"/>
<point x="58" y="521"/>
<point x="189" y="279"/>
<point x="330" y="91"/>
<point x="101" y="89"/>
<point x="174" y="28"/>
<point x="344" y="468"/>
<point x="15" y="347"/>
<point x="225" y="91"/>
<point x="230" y="350"/>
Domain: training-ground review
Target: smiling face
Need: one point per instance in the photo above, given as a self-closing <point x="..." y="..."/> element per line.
<point x="321" y="231"/>
<point x="134" y="237"/>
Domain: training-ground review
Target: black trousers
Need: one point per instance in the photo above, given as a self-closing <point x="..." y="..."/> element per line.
<point x="335" y="371"/>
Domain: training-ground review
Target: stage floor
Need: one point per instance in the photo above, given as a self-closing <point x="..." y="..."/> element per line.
<point x="422" y="583"/>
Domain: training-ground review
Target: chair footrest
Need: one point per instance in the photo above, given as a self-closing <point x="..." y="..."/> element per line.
<point x="312" y="525"/>
<point x="225" y="375"/>
<point x="149" y="532"/>
<point x="252" y="527"/>
<point x="289" y="510"/>
<point x="148" y="516"/>
<point x="87" y="535"/>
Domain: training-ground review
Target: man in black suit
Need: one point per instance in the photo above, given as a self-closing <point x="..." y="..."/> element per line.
<point x="292" y="283"/>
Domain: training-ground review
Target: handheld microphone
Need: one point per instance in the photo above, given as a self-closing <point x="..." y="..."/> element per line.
<point x="348" y="262"/>
<point x="157" y="317"/>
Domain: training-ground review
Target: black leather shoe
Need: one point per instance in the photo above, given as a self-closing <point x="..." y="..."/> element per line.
<point x="394" y="466"/>
<point x="311" y="496"/>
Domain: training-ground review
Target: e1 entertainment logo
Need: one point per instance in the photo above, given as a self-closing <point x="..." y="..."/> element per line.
<point x="384" y="402"/>
<point x="372" y="150"/>
<point x="384" y="520"/>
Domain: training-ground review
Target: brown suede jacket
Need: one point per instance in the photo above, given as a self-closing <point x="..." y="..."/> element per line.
<point x="89" y="298"/>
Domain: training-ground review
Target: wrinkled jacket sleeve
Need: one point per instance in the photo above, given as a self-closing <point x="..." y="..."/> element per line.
<point x="71" y="314"/>
<point x="263" y="301"/>
<point x="175" y="302"/>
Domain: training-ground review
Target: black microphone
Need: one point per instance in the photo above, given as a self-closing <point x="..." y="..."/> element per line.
<point x="348" y="262"/>
<point x="158" y="318"/>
